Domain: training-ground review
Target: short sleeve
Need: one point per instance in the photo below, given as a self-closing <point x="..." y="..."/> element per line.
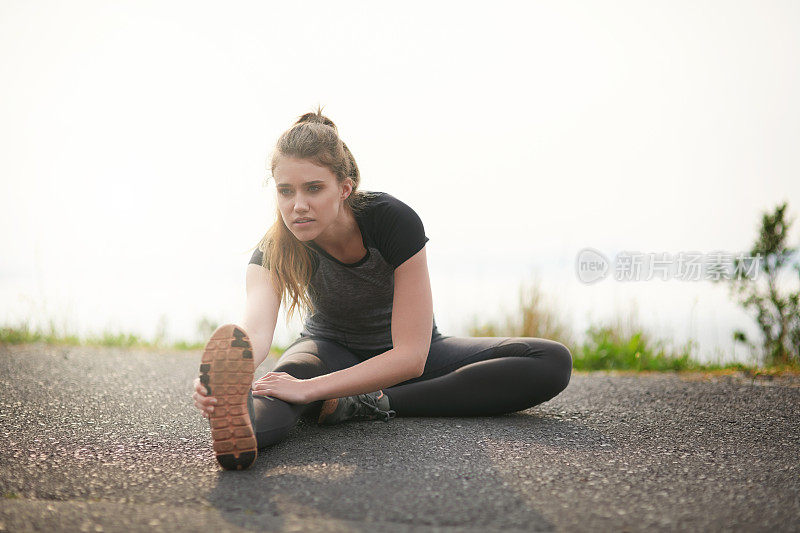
<point x="400" y="231"/>
<point x="257" y="257"/>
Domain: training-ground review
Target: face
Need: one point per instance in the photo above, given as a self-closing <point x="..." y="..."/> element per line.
<point x="307" y="191"/>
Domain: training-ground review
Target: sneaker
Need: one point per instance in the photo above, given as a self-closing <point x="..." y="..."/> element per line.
<point x="227" y="371"/>
<point x="369" y="406"/>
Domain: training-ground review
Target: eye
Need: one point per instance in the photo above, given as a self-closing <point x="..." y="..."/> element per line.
<point x="314" y="187"/>
<point x="282" y="191"/>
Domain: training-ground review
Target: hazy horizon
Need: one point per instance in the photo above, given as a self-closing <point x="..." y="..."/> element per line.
<point x="137" y="136"/>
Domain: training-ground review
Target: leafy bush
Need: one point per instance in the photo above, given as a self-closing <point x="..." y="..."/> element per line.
<point x="776" y="311"/>
<point x="609" y="348"/>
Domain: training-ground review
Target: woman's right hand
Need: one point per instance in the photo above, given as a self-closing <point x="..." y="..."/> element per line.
<point x="201" y="401"/>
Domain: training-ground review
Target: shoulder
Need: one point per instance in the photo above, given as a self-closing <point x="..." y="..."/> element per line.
<point x="397" y="229"/>
<point x="258" y="258"/>
<point x="383" y="207"/>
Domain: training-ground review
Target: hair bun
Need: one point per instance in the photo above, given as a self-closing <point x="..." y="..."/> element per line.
<point x="318" y="118"/>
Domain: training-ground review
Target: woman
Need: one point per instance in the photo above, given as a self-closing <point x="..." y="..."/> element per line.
<point x="369" y="347"/>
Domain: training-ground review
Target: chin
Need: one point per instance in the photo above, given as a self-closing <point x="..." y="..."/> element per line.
<point x="305" y="237"/>
<point x="300" y="236"/>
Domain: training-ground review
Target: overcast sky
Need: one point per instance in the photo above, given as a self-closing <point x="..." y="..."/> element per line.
<point x="135" y="137"/>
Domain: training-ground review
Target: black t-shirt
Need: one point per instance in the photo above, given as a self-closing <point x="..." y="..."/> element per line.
<point x="353" y="301"/>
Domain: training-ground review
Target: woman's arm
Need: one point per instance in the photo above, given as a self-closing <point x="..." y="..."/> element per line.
<point x="412" y="324"/>
<point x="260" y="317"/>
<point x="261" y="311"/>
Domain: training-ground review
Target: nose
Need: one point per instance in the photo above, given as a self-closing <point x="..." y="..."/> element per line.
<point x="300" y="203"/>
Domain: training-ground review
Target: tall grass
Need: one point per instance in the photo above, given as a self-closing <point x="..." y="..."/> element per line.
<point x="535" y="316"/>
<point x="617" y="344"/>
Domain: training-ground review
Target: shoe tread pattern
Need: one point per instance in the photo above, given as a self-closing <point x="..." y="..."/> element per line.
<point x="227" y="371"/>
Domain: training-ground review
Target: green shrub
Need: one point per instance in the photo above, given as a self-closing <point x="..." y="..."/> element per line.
<point x="775" y="309"/>
<point x="609" y="348"/>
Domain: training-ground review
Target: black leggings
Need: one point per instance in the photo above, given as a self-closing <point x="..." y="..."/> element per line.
<point x="464" y="376"/>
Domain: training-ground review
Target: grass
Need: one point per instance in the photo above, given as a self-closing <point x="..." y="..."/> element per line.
<point x="535" y="316"/>
<point x="628" y="346"/>
<point x="24" y="334"/>
<point x="608" y="348"/>
<point x="615" y="345"/>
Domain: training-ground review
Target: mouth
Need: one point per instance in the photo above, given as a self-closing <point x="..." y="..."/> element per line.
<point x="302" y="221"/>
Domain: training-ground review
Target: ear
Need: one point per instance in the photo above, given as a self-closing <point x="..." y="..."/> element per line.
<point x="347" y="188"/>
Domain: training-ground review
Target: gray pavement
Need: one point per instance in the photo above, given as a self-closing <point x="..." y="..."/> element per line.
<point x="105" y="439"/>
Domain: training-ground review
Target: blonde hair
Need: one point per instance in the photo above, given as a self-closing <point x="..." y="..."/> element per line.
<point x="313" y="137"/>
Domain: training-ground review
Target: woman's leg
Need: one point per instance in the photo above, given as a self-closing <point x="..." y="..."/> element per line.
<point x="480" y="376"/>
<point x="306" y="358"/>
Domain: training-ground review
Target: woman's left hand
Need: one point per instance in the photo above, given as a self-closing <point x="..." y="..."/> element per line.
<point x="284" y="386"/>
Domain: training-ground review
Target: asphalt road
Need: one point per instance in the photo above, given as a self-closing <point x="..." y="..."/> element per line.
<point x="104" y="439"/>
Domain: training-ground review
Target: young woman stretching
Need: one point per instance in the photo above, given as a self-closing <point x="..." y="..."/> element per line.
<point x="370" y="347"/>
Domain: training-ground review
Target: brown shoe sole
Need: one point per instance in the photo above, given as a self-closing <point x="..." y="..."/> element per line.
<point x="227" y="372"/>
<point x="328" y="407"/>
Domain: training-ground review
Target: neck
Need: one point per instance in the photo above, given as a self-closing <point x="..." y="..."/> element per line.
<point x="339" y="235"/>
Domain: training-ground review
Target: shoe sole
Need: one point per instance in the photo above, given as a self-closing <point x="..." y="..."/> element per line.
<point x="328" y="408"/>
<point x="227" y="372"/>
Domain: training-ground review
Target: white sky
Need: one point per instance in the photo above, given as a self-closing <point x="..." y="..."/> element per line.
<point x="135" y="137"/>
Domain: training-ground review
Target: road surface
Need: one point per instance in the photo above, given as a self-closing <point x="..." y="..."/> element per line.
<point x="107" y="439"/>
